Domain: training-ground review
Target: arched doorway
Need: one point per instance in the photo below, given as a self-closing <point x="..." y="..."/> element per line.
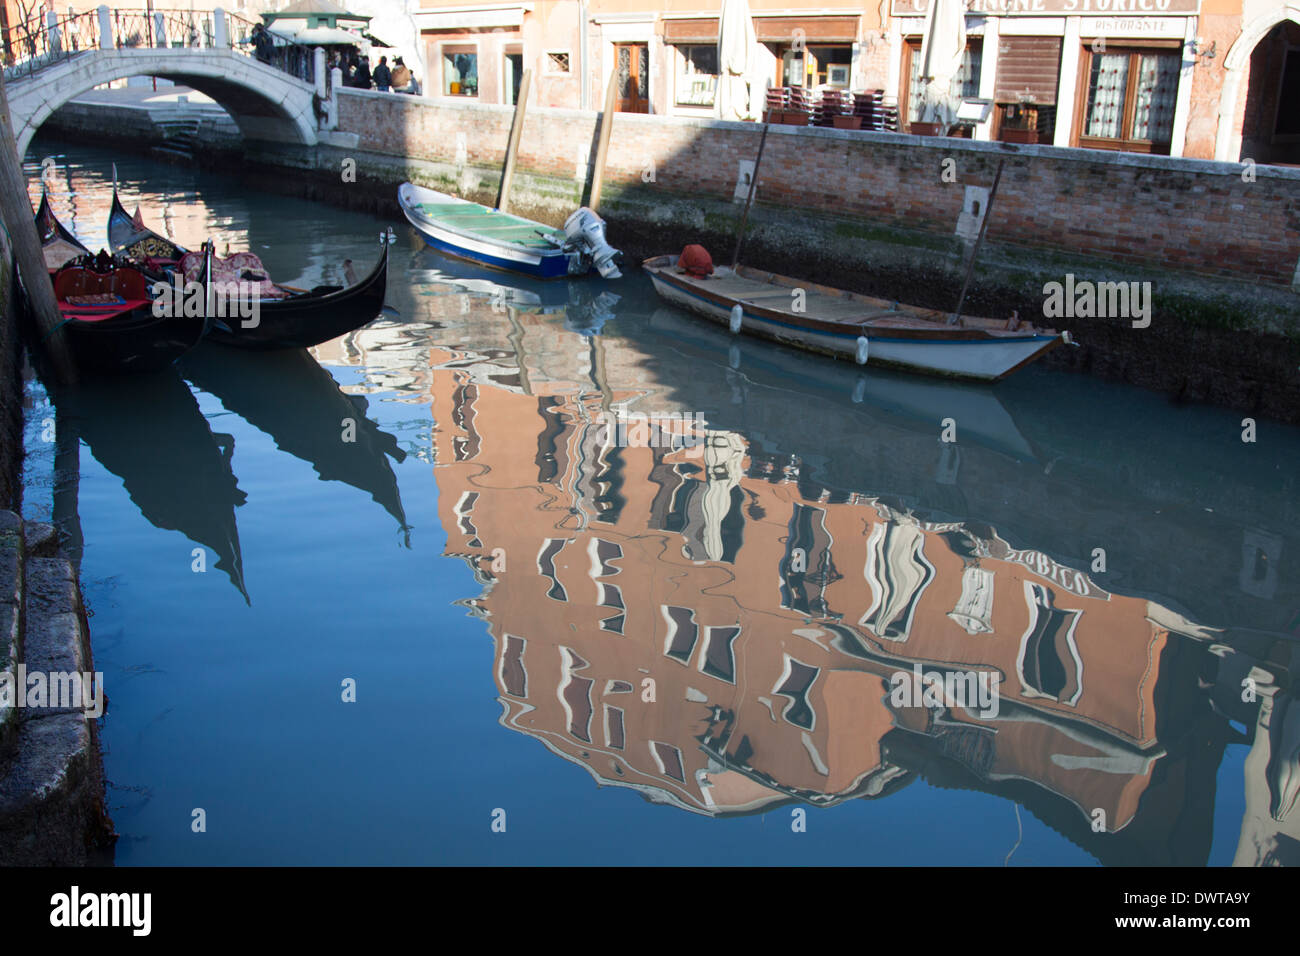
<point x="1259" y="107"/>
<point x="1270" y="126"/>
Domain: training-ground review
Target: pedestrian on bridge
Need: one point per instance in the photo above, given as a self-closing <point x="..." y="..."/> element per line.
<point x="401" y="76"/>
<point x="383" y="77"/>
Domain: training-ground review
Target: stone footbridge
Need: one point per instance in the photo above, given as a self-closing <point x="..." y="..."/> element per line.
<point x="53" y="60"/>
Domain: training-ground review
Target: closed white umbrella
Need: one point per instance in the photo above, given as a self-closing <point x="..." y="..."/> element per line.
<point x="941" y="56"/>
<point x="736" y="42"/>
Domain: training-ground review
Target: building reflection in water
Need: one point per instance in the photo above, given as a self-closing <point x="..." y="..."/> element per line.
<point x="768" y="617"/>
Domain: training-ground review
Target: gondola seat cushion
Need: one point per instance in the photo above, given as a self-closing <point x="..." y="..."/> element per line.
<point x="243" y="267"/>
<point x="77" y="282"/>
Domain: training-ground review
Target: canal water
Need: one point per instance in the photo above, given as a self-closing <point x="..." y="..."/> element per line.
<point x="437" y="592"/>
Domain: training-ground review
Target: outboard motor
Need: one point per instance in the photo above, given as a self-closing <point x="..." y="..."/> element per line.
<point x="584" y="241"/>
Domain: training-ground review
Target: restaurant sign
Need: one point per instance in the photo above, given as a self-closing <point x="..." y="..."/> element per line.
<point x="1056" y="8"/>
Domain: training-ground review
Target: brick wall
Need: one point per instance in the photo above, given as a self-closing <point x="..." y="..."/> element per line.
<point x="1189" y="215"/>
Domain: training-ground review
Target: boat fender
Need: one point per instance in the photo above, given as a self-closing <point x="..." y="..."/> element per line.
<point x="864" y="346"/>
<point x="737" y="316"/>
<point x="1068" y="339"/>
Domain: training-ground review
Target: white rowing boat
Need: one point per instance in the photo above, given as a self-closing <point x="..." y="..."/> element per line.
<point x="847" y="325"/>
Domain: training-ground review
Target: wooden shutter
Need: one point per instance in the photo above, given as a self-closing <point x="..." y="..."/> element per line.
<point x="1029" y="69"/>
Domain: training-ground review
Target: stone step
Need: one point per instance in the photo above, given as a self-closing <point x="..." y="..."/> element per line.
<point x="52" y="809"/>
<point x="11" y="590"/>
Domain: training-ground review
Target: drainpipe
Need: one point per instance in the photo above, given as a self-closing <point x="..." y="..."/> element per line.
<point x="583" y="99"/>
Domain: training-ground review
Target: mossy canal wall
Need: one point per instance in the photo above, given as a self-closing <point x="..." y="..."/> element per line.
<point x="52" y="798"/>
<point x="885" y="214"/>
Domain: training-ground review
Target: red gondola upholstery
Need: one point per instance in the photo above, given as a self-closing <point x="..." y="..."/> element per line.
<point x="76" y="281"/>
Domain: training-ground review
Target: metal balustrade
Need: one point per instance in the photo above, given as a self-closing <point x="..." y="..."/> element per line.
<point x="45" y="39"/>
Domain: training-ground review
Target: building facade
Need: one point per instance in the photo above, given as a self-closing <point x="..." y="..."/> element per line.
<point x="1208" y="79"/>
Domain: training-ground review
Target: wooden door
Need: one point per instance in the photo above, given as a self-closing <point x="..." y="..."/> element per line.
<point x="632" y="66"/>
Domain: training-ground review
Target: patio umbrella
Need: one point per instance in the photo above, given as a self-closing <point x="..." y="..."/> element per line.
<point x="941" y="55"/>
<point x="736" y="42"/>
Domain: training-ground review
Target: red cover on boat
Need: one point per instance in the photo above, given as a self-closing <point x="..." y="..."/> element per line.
<point x="696" y="261"/>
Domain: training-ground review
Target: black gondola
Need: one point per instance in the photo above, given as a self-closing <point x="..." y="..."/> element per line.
<point x="109" y="319"/>
<point x="107" y="308"/>
<point x="59" y="245"/>
<point x="299" y="320"/>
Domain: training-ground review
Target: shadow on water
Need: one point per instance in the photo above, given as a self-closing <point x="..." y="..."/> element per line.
<point x="290" y="397"/>
<point x="149" y="431"/>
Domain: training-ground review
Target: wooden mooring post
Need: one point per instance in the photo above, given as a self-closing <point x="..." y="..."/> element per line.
<point x="602" y="145"/>
<point x="20" y="221"/>
<point x="512" y="149"/>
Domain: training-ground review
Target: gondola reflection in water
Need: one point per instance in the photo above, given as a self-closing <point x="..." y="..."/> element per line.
<point x="149" y="431"/>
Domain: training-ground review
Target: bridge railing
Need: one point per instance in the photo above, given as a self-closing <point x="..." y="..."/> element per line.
<point x="41" y="39"/>
<point x="31" y="45"/>
<point x="285" y="55"/>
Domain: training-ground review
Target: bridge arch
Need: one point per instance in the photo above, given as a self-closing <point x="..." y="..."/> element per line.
<point x="266" y="103"/>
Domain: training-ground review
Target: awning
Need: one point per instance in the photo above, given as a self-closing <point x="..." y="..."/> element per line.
<point x="694" y="30"/>
<point x="375" y="41"/>
<point x="815" y="29"/>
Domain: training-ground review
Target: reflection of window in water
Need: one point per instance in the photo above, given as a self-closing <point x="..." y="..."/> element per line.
<point x="719" y="658"/>
<point x="465" y="446"/>
<point x="679" y="643"/>
<point x="710" y="515"/>
<point x="669" y="759"/>
<point x="546" y="565"/>
<point x="610" y="595"/>
<point x="602" y="554"/>
<point x="795" y="684"/>
<point x="898" y="572"/>
<point x="600" y="473"/>
<point x="463" y="508"/>
<point x="514" y="676"/>
<point x="1049" y="664"/>
<point x="974" y="610"/>
<point x="807" y="568"/>
<point x="575" y="696"/>
<point x="615" y="736"/>
<point x="549" y="452"/>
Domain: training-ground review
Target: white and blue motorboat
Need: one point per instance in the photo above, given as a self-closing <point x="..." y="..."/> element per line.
<point x="502" y="240"/>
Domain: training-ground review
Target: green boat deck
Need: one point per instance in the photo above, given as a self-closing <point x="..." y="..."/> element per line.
<point x="489" y="223"/>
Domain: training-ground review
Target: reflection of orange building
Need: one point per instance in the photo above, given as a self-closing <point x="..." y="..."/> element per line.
<point x="765" y="623"/>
